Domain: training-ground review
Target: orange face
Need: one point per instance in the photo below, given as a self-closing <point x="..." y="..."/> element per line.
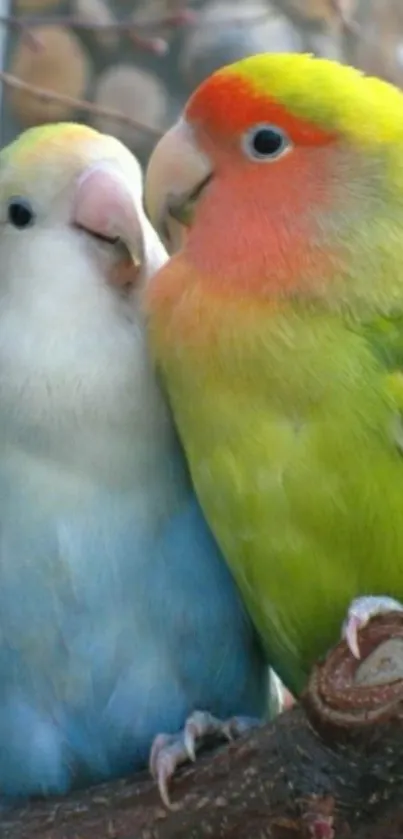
<point x="271" y="197"/>
<point x="258" y="222"/>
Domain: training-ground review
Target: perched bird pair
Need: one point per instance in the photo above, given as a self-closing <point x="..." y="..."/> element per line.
<point x="278" y="332"/>
<point x="118" y="616"/>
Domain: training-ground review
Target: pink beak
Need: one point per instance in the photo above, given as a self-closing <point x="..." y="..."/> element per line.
<point x="104" y="206"/>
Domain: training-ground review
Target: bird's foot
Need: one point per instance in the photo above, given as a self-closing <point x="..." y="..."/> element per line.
<point x="360" y="612"/>
<point x="169" y="751"/>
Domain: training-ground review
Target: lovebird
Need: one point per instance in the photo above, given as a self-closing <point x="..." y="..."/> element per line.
<point x="278" y="332"/>
<point x="123" y="637"/>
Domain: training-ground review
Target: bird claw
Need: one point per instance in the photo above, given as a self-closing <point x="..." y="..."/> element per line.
<point x="360" y="612"/>
<point x="169" y="751"/>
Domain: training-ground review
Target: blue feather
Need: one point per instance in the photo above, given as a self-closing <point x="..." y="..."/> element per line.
<point x="110" y="635"/>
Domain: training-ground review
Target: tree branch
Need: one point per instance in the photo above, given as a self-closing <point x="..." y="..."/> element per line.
<point x="78" y="104"/>
<point x="136" y="31"/>
<point x="138" y="35"/>
<point x="331" y="768"/>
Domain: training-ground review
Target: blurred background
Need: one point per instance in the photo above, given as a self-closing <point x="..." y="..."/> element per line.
<point x="142" y="58"/>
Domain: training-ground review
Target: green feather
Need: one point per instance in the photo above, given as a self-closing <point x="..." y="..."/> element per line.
<point x="289" y="399"/>
<point x="300" y="474"/>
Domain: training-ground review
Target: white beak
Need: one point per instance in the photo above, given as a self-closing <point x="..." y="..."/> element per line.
<point x="177" y="173"/>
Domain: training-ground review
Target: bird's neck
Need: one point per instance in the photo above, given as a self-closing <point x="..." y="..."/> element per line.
<point x="269" y="350"/>
<point x="101" y="415"/>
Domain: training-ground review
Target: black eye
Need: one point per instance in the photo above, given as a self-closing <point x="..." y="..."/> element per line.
<point x="265" y="142"/>
<point x="20" y="213"/>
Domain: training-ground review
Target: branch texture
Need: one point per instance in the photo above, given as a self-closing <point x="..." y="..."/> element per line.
<point x="330" y="768"/>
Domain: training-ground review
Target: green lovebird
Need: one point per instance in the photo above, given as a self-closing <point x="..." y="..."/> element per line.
<point x="278" y="332"/>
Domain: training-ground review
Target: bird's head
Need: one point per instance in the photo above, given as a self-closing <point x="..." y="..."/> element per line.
<point x="288" y="172"/>
<point x="75" y="251"/>
<point x="70" y="210"/>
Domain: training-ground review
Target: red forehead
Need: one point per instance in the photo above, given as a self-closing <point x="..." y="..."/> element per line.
<point x="230" y="104"/>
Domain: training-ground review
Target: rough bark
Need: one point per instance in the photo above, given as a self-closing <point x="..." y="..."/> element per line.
<point x="330" y="768"/>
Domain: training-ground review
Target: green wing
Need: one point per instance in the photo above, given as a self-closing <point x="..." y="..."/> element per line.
<point x="385" y="336"/>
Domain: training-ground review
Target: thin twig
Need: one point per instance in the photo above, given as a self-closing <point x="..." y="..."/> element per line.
<point x="19" y="26"/>
<point x="185" y="17"/>
<point x="158" y="46"/>
<point x="346" y="22"/>
<point x="26" y="27"/>
<point x="179" y="19"/>
<point x="78" y="104"/>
